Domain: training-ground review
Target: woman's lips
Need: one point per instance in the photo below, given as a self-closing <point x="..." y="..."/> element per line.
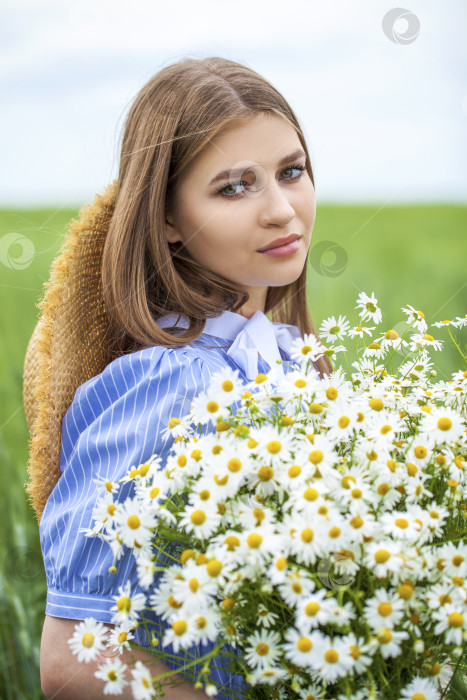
<point x="283" y="251"/>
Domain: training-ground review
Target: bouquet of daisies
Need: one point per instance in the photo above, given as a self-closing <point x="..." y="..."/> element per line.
<point x="314" y="536"/>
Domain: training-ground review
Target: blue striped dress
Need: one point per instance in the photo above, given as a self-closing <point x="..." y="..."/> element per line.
<point x="115" y="422"/>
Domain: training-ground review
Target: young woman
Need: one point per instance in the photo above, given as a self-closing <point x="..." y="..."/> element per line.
<point x="206" y="230"/>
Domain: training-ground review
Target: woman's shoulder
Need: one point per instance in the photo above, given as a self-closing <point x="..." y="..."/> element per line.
<point x="148" y="370"/>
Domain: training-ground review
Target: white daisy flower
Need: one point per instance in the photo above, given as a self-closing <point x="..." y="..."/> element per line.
<point x="384" y="609"/>
<point x="331" y="658"/>
<point x="420" y="688"/>
<point x="113" y="673"/>
<point x="383" y="557"/>
<point x="226" y="386"/>
<point x="452" y="620"/>
<point x="310" y="692"/>
<point x="305" y="537"/>
<point x="415" y="318"/>
<point x="263" y="648"/>
<point x="295" y="587"/>
<point x="206" y="625"/>
<point x="269" y="676"/>
<point x="342" y="419"/>
<point x="330" y="329"/>
<point x="278" y="570"/>
<point x="441" y="324"/>
<point x="119" y="638"/>
<point x="360" y="330"/>
<point x="88" y="639"/>
<point x="452" y="559"/>
<point x="314" y="610"/>
<point x="369" y="308"/>
<point x="181" y="633"/>
<point x="390" y="641"/>
<point x="298" y="648"/>
<point x="208" y="408"/>
<point x="127" y="606"/>
<point x="401" y="525"/>
<point x="141" y="685"/>
<point x="420" y="341"/>
<point x="392" y="339"/>
<point x="384" y="426"/>
<point x="309" y="347"/>
<point x="461" y="321"/>
<point x="375" y="349"/>
<point x="134" y="521"/>
<point x="359" y="651"/>
<point x="443" y="424"/>
<point x="202" y="522"/>
<point x="265" y="616"/>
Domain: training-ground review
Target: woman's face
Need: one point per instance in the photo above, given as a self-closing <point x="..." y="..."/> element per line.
<point x="263" y="196"/>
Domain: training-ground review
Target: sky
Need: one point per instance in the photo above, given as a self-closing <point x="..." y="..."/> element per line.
<point x="380" y="90"/>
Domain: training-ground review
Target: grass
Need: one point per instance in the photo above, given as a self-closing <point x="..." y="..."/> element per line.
<point x="404" y="254"/>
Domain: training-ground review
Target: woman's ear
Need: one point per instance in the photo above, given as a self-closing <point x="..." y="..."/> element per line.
<point x="171" y="232"/>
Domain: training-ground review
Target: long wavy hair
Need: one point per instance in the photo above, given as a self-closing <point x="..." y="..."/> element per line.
<point x="173" y="117"/>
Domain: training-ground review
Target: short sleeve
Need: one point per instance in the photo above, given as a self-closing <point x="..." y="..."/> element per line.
<point x="116" y="421"/>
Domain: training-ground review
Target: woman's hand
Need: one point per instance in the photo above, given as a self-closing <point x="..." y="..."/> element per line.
<point x="63" y="677"/>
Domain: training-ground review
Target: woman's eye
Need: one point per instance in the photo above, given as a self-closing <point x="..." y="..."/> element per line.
<point x="223" y="190"/>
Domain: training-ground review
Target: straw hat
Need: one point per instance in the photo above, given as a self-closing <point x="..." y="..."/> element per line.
<point x="68" y="345"/>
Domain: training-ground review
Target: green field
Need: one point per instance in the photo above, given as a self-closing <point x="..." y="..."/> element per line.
<point x="404" y="254"/>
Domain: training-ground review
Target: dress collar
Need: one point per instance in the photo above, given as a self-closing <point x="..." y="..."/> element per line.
<point x="249" y="337"/>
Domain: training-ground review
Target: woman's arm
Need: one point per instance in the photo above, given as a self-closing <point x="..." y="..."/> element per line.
<point x="63" y="677"/>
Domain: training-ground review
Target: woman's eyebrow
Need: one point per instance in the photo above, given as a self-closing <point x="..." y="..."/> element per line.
<point x="225" y="174"/>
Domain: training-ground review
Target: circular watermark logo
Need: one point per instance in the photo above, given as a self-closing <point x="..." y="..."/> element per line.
<point x="16" y="251"/>
<point x="328" y="258"/>
<point x="401" y="26"/>
<point x="330" y="571"/>
<point x="173" y="405"/>
<point x="23" y="564"/>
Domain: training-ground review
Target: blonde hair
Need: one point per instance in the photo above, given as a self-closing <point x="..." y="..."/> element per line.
<point x="173" y="117"/>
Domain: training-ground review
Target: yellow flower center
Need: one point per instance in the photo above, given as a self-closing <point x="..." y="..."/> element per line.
<point x="133" y="522"/>
<point x="307" y="535"/>
<point x="294" y="471"/>
<point x="381" y="556"/>
<point x="304" y="644"/>
<point x="198" y="517"/>
<point x="456" y="619"/>
<point x="214" y="568"/>
<point x="331" y="656"/>
<point x="402" y="523"/>
<point x="385" y="609"/>
<point x="124" y="604"/>
<point x="234" y="465"/>
<point x="88" y="640"/>
<point x="376" y="404"/>
<point x="262" y="649"/>
<point x="265" y="473"/>
<point x="179" y="627"/>
<point x="254" y="540"/>
<point x="316" y="457"/>
<point x="445" y="423"/>
<point x="274" y="446"/>
<point x="312" y="609"/>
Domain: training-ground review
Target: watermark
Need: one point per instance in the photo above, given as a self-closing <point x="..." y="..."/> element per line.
<point x="23" y="564"/>
<point x="328" y="258"/>
<point x="401" y="26"/>
<point x="331" y="571"/>
<point x="16" y="251"/>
